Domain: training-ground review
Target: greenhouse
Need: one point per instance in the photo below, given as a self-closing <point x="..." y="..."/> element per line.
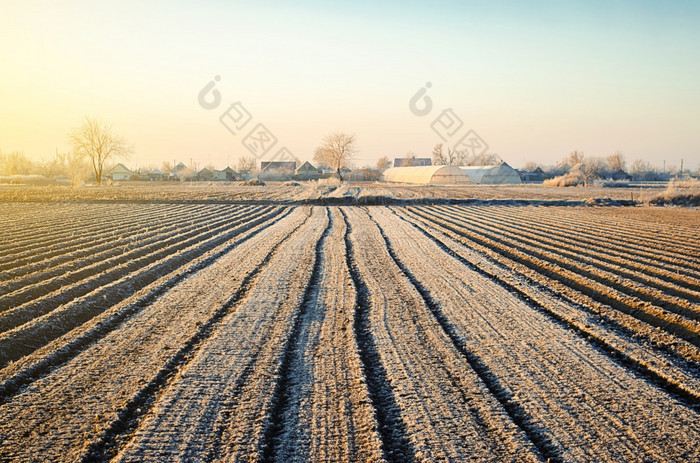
<point x="425" y="175"/>
<point x="492" y="175"/>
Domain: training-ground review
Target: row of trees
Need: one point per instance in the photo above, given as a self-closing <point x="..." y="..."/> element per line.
<point x="442" y="156"/>
<point x="70" y="165"/>
<point x="453" y="157"/>
<point x="94" y="144"/>
<point x="577" y="168"/>
<point x="611" y="163"/>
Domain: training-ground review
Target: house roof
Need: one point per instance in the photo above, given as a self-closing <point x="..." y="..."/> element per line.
<point x="306" y="167"/>
<point x="272" y="165"/>
<point x="121" y="168"/>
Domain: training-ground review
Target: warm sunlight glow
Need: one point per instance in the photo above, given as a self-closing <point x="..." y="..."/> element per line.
<point x="535" y="81"/>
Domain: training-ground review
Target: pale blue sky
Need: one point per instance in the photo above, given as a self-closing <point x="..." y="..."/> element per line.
<point x="535" y="80"/>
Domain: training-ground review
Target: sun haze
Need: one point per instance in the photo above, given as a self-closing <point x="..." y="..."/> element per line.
<point x="535" y="80"/>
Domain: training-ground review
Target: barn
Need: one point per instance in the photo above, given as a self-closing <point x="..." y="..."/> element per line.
<point x="492" y="175"/>
<point x="425" y="175"/>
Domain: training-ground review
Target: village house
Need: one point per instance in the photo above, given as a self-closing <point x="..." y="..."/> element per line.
<point x="270" y="166"/>
<point x="619" y="175"/>
<point x="225" y="174"/>
<point x="121" y="172"/>
<point x="307" y="171"/>
<point x="204" y="175"/>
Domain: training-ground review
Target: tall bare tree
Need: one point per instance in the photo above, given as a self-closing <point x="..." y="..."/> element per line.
<point x="410" y="160"/>
<point x="70" y="165"/>
<point x="383" y="164"/>
<point x="486" y="159"/>
<point x="16" y="163"/>
<point x="450" y="157"/>
<point x="167" y="166"/>
<point x="641" y="169"/>
<point x="591" y="170"/>
<point x="95" y="140"/>
<point x="575" y="157"/>
<point x="247" y="165"/>
<point x="616" y="161"/>
<point x="76" y="168"/>
<point x="336" y="151"/>
<point x="530" y="166"/>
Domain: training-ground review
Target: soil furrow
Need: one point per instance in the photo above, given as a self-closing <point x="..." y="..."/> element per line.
<point x="569" y="276"/>
<point x="658" y="277"/>
<point x="38" y="332"/>
<point x="47" y="241"/>
<point x="327" y="413"/>
<point x="101" y="264"/>
<point x="98" y="247"/>
<point x="571" y="391"/>
<point x="629" y="284"/>
<point x="123" y="371"/>
<point x="658" y="340"/>
<point x="447" y="410"/>
<point x="395" y="444"/>
<point x="272" y="435"/>
<point x="637" y="239"/>
<point x="683" y="379"/>
<point x="63" y="290"/>
<point x="28" y="369"/>
<point x="217" y="405"/>
<point x="516" y="412"/>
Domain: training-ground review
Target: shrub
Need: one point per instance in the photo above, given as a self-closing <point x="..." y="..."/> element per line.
<point x="679" y="193"/>
<point x="572" y="178"/>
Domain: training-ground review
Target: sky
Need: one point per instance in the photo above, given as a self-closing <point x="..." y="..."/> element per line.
<point x="533" y="80"/>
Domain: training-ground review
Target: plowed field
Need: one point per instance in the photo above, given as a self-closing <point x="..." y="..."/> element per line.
<point x="160" y="331"/>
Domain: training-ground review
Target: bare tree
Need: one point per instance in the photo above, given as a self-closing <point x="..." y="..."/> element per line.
<point x="70" y="165"/>
<point x="383" y="164"/>
<point x="438" y="156"/>
<point x="486" y="159"/>
<point x="591" y="170"/>
<point x="639" y="168"/>
<point x="575" y="157"/>
<point x="167" y="166"/>
<point x="530" y="166"/>
<point x="410" y="160"/>
<point x="16" y="163"/>
<point x="616" y="161"/>
<point x="449" y="158"/>
<point x="336" y="151"/>
<point x="76" y="168"/>
<point x="95" y="140"/>
<point x="247" y="165"/>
